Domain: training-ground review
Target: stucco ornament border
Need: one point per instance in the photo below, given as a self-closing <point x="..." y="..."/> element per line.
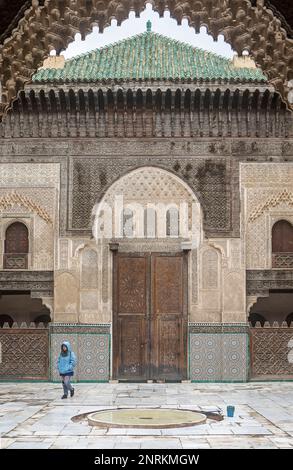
<point x="283" y="196"/>
<point x="14" y="198"/>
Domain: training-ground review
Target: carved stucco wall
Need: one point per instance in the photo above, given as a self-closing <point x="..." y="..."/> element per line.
<point x="267" y="196"/>
<point x="82" y="278"/>
<point x="149" y="186"/>
<point x="66" y="298"/>
<point x="154" y="185"/>
<point x="221" y="282"/>
<point x="29" y="194"/>
<point x="210" y="179"/>
<point x="216" y="266"/>
<point x="209" y="285"/>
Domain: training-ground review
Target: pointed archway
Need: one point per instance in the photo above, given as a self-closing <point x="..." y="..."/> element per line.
<point x="156" y="220"/>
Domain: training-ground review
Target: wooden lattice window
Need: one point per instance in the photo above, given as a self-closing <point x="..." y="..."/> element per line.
<point x="16" y="246"/>
<point x="282" y="245"/>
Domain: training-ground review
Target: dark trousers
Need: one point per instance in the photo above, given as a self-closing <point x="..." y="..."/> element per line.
<point x="66" y="384"/>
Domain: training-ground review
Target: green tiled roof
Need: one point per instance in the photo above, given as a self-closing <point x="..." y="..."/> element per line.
<point x="149" y="56"/>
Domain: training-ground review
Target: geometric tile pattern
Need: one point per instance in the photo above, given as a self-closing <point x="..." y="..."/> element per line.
<point x="235" y="357"/>
<point x="93" y="351"/>
<point x="205" y="357"/>
<point x="93" y="355"/>
<point x="218" y="357"/>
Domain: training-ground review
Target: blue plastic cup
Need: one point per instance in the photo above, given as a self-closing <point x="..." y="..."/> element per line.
<point x="230" y="411"/>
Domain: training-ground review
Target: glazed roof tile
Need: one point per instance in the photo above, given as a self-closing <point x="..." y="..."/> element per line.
<point x="148" y="56"/>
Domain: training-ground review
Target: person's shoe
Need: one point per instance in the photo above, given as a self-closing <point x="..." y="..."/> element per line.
<point x="63" y="396"/>
<point x="72" y="392"/>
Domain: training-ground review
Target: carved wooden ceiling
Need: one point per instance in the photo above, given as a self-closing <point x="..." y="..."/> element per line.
<point x="29" y="29"/>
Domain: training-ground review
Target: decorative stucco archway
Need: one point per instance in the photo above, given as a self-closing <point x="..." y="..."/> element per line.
<point x="149" y="188"/>
<point x="146" y="282"/>
<point x="144" y="185"/>
<point x="53" y="26"/>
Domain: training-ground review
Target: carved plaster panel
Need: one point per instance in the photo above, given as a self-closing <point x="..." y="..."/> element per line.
<point x="148" y="188"/>
<point x="31" y="191"/>
<point x="267" y="196"/>
<point x="89" y="269"/>
<point x="66" y="297"/>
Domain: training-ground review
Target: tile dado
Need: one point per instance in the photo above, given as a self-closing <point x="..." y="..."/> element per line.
<point x="91" y="343"/>
<point x="218" y="353"/>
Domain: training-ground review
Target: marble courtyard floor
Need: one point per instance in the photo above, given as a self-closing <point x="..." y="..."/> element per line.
<point x="32" y="415"/>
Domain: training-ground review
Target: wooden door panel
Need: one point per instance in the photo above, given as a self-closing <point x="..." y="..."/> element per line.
<point x="166" y="348"/>
<point x="168" y="319"/>
<point x="167" y="284"/>
<point x="150" y="316"/>
<point x="130" y="345"/>
<point x="132" y="348"/>
<point x="132" y="285"/>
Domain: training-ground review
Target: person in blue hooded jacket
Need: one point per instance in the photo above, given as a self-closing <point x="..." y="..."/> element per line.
<point x="66" y="363"/>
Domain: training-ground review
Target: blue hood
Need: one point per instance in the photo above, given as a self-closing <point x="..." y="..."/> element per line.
<point x="67" y="344"/>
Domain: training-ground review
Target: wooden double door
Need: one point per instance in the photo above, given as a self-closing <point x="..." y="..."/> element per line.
<point x="150" y="316"/>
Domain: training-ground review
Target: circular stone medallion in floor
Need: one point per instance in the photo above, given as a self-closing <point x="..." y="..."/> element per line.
<point x="146" y="418"/>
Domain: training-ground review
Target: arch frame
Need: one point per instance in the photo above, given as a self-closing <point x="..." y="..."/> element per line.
<point x="110" y="192"/>
<point x="197" y="196"/>
<point x="281" y="258"/>
<point x="28" y="224"/>
<point x="54" y="25"/>
<point x="273" y="216"/>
